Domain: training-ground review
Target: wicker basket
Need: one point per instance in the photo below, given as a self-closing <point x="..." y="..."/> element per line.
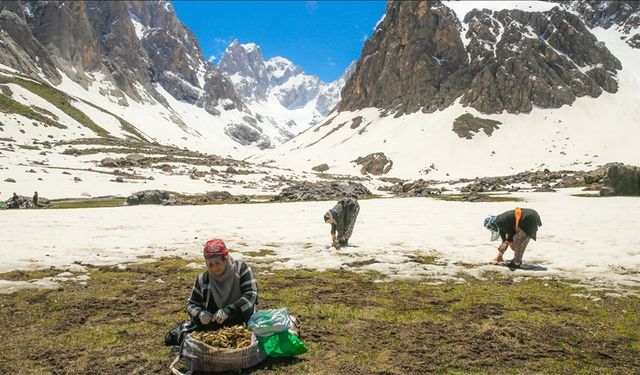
<point x="199" y="356"/>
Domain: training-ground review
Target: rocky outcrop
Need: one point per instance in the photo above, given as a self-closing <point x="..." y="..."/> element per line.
<point x="467" y="125"/>
<point x="161" y="197"/>
<point x="623" y="14"/>
<point x="247" y="134"/>
<point x="321" y="168"/>
<point x="376" y="164"/>
<point x="525" y="59"/>
<point x="614" y="179"/>
<point x="307" y="191"/>
<point x="623" y="179"/>
<point x="513" y="60"/>
<point x="20" y="49"/>
<point x="418" y="188"/>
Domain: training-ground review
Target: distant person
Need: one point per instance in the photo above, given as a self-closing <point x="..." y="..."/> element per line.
<point x="226" y="293"/>
<point x="342" y="218"/>
<point x="35" y="199"/>
<point x="515" y="227"/>
<point x="14" y="201"/>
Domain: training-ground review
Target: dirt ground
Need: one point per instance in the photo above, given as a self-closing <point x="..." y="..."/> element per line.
<point x="351" y="322"/>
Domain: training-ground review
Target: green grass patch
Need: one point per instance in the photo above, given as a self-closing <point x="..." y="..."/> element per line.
<point x="29" y="147"/>
<point x="260" y="253"/>
<point x="124" y="124"/>
<point x="424" y="259"/>
<point x="9" y="105"/>
<point x="62" y="101"/>
<point x="88" y="203"/>
<point x="350" y="323"/>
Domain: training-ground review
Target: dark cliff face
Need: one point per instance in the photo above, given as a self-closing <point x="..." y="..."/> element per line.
<point x="623" y="14"/>
<point x="100" y="36"/>
<point x="546" y="60"/>
<point x="20" y="49"/>
<point x="415" y="59"/>
<point x="513" y="60"/>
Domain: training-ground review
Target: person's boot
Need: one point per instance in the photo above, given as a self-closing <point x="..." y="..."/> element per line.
<point x="512" y="265"/>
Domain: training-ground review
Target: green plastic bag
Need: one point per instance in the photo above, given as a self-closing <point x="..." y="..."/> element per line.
<point x="283" y="344"/>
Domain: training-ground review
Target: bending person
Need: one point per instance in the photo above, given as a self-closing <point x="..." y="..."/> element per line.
<point x="342" y="218"/>
<point x="515" y="227"/>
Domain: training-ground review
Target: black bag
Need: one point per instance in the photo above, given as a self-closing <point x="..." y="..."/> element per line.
<point x="176" y="335"/>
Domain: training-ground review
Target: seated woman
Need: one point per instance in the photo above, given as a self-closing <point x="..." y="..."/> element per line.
<point x="225" y="294"/>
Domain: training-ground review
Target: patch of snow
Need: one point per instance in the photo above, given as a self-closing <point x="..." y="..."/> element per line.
<point x="421" y="226"/>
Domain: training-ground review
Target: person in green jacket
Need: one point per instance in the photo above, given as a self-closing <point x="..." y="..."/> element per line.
<point x="342" y="218"/>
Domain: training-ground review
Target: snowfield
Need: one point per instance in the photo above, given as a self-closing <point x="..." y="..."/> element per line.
<point x="590" y="240"/>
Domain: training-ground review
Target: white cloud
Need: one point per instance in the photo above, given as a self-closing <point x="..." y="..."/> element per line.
<point x="212" y="58"/>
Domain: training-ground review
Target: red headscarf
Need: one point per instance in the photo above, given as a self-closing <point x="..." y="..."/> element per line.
<point x="215" y="248"/>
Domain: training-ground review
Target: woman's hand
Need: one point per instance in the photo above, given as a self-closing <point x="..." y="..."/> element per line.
<point x="220" y="316"/>
<point x="205" y="317"/>
<point x="334" y="241"/>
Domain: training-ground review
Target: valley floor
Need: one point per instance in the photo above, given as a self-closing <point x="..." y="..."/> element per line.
<point x="94" y="290"/>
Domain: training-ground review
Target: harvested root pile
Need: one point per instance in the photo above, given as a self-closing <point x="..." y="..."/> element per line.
<point x="235" y="337"/>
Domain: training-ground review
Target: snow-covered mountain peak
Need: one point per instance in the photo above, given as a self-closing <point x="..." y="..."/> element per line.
<point x="280" y="69"/>
<point x="278" y="89"/>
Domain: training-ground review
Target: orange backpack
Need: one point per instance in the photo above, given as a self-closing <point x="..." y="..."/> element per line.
<point x="518" y="213"/>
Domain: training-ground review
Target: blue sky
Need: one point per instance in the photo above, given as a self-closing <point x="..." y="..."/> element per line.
<point x="322" y="37"/>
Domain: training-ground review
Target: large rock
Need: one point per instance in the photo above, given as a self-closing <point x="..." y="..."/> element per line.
<point x="322" y="191"/>
<point x="376" y="164"/>
<point x="151" y="197"/>
<point x="467" y="125"/>
<point x="623" y="179"/>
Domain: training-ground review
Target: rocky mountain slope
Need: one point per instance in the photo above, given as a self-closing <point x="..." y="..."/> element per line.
<point x="279" y="90"/>
<point x="445" y="89"/>
<point x="129" y="57"/>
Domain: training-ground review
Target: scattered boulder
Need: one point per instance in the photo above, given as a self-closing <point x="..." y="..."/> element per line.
<point x="376" y="164"/>
<point x="10" y="180"/>
<point x="215" y="197"/>
<point x="320" y="168"/>
<point x="161" y="197"/>
<point x="418" y="188"/>
<point x="606" y="191"/>
<point x="546" y="188"/>
<point x="119" y="179"/>
<point x="307" y="191"/>
<point x="135" y="157"/>
<point x="623" y="179"/>
<point x="77" y="179"/>
<point x="108" y="162"/>
<point x="72" y="151"/>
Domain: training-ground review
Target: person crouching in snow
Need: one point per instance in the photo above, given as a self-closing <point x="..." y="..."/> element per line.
<point x="342" y="218"/>
<point x="226" y="293"/>
<point x="515" y="227"/>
